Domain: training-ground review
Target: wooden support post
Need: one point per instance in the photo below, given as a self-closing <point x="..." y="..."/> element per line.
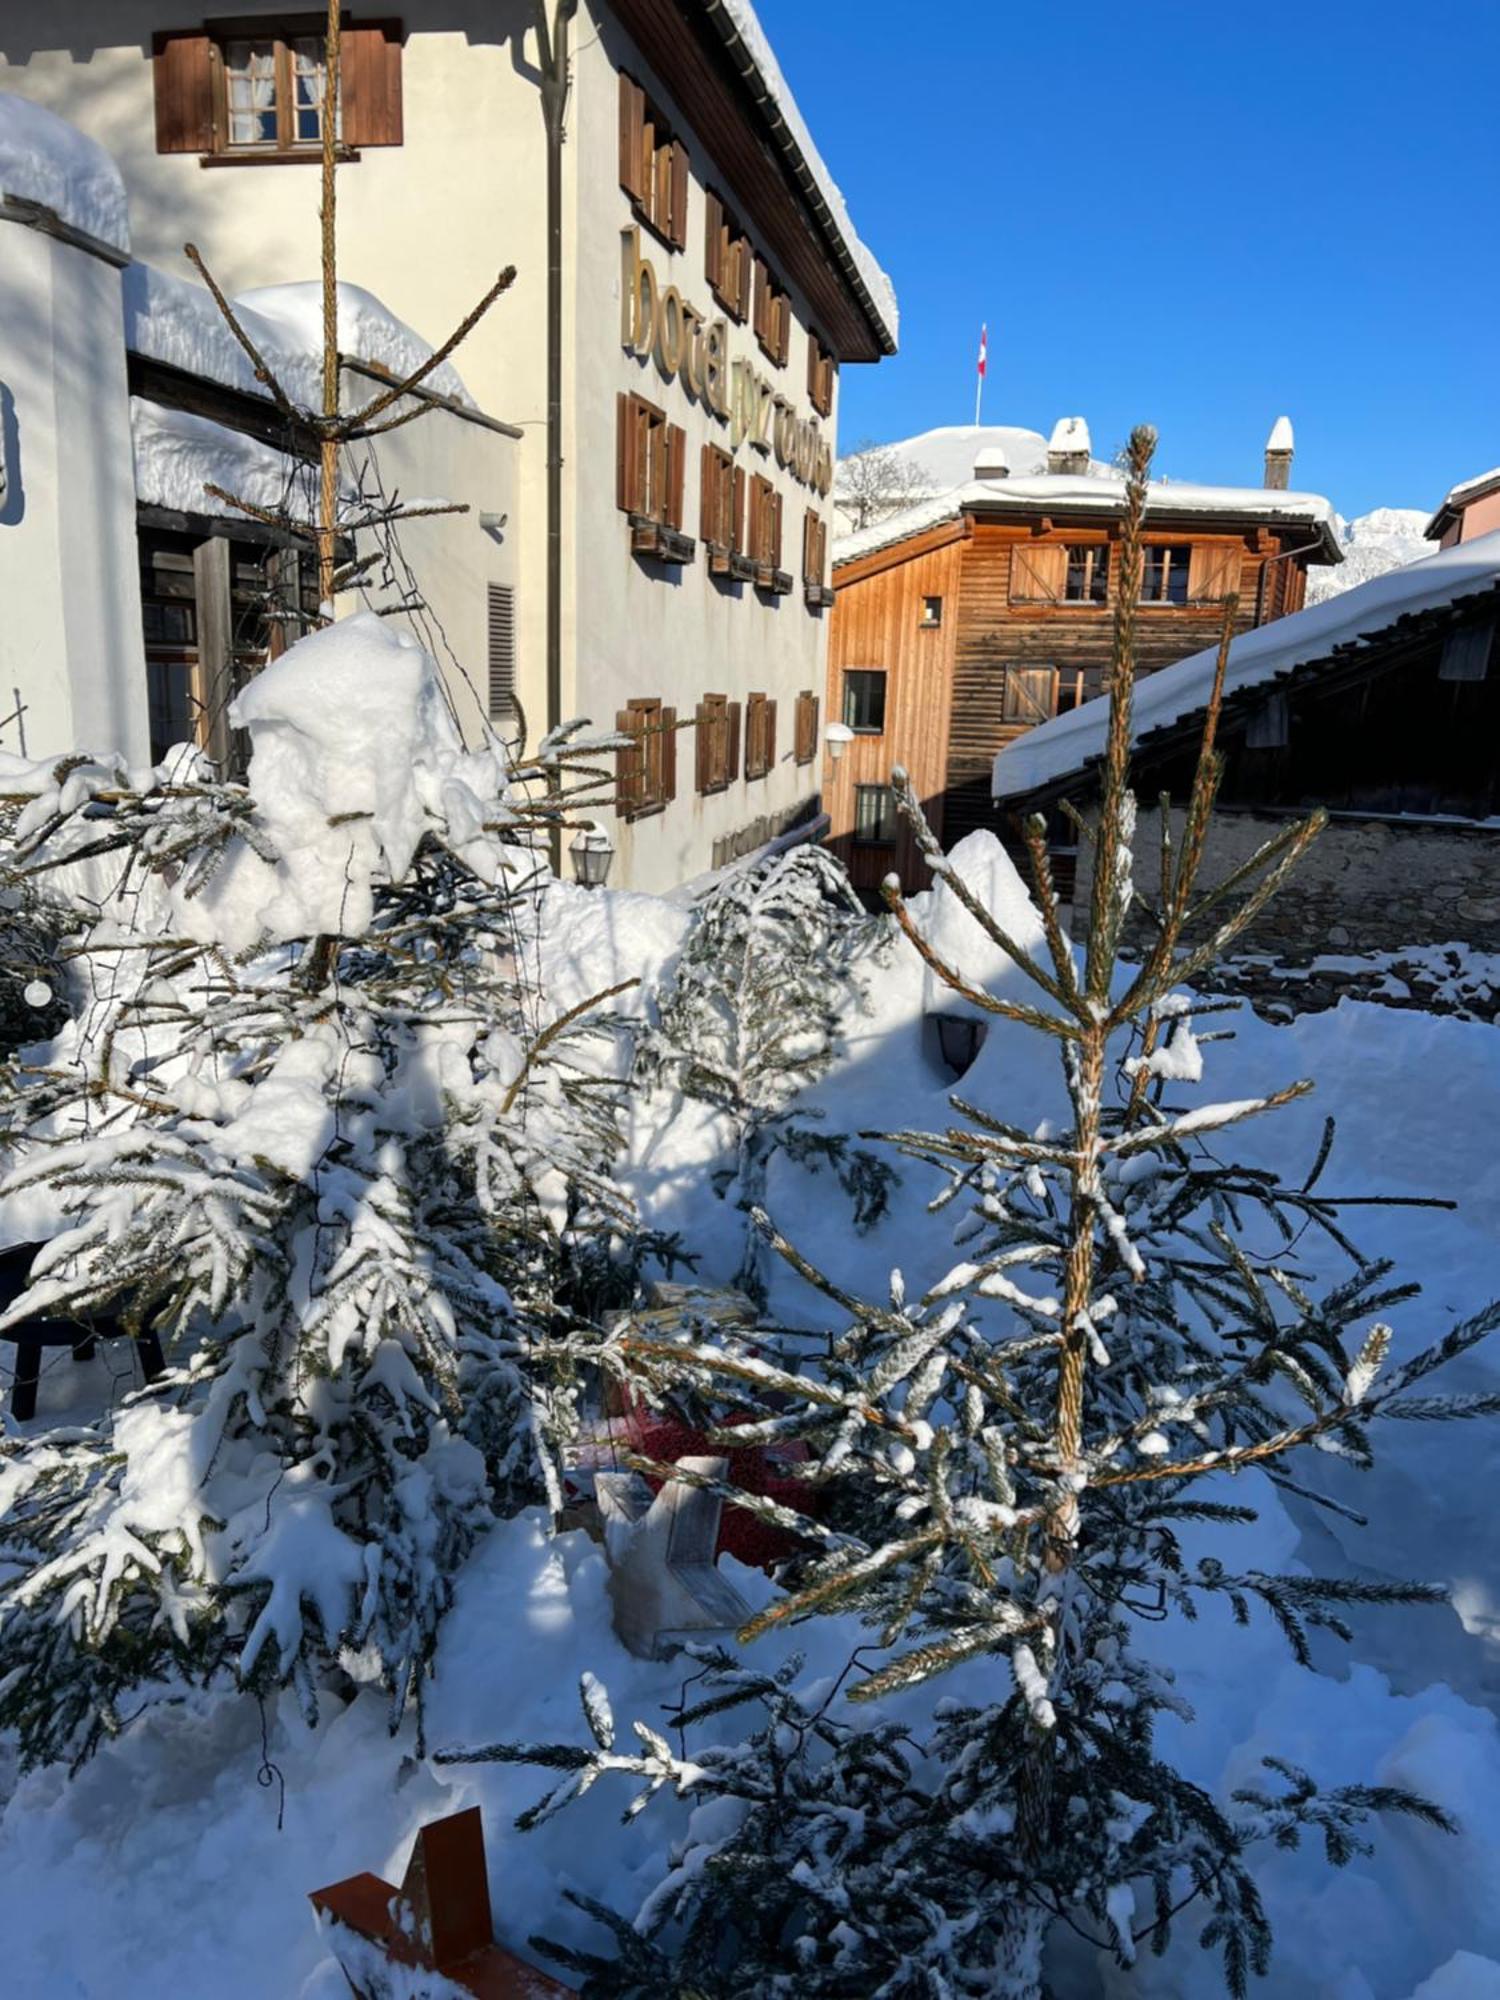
<point x="214" y="689"/>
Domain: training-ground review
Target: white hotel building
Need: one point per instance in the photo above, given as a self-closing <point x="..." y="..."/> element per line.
<point x="650" y="428"/>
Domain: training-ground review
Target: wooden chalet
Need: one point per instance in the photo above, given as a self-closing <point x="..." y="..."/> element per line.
<point x="964" y="622"/>
<point x="1382" y="705"/>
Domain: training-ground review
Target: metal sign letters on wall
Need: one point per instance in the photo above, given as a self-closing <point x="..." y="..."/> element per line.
<point x="657" y="322"/>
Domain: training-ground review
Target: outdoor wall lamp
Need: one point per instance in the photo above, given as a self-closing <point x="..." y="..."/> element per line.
<point x="592" y="851"/>
<point x="835" y="737"/>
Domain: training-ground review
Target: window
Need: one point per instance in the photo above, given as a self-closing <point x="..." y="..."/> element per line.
<point x="815" y="558"/>
<point x="1087" y="580"/>
<point x="1466" y="654"/>
<point x="650" y="455"/>
<point x="1072" y="689"/>
<point x="646" y="768"/>
<point x="258" y="94"/>
<point x="213" y="611"/>
<point x="653" y="166"/>
<point x="721" y="507"/>
<point x="1164" y="572"/>
<point x="1030" y="694"/>
<point x="765" y="532"/>
<point x="728" y="259"/>
<point x="805" y="737"/>
<point x="864" y="701"/>
<point x="932" y="613"/>
<point x="874" y="816"/>
<point x="502" y="652"/>
<point x="820" y="372"/>
<point x="773" y="315"/>
<point x="718" y="722"/>
<point x="760" y="736"/>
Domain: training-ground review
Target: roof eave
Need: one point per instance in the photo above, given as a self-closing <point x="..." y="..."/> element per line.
<point x="791" y="152"/>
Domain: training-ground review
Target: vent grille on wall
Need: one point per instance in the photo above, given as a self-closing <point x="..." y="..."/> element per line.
<point x="502" y="652"/>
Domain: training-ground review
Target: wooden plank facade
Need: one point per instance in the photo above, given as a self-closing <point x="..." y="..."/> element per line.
<point x="980" y="633"/>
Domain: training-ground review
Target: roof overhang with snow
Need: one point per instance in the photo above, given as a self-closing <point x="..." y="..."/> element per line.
<point x="1457" y="498"/>
<point x="715" y="59"/>
<point x="1342" y="635"/>
<point x="1065" y="498"/>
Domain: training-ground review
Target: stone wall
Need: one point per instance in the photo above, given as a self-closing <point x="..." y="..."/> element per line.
<point x="1367" y="883"/>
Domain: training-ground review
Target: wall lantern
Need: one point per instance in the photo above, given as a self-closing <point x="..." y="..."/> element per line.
<point x="835" y="737"/>
<point x="592" y="851"/>
<point x="960" y="1038"/>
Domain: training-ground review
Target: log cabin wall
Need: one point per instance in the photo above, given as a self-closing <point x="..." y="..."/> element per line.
<point x="1004" y="624"/>
<point x="882" y="623"/>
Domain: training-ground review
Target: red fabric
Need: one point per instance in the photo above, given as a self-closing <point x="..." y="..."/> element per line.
<point x="984" y="348"/>
<point x="754" y="1470"/>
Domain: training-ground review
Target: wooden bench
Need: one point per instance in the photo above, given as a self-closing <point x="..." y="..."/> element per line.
<point x="80" y="1334"/>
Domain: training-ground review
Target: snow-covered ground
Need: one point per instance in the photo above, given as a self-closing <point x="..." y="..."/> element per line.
<point x="179" y="1860"/>
<point x="1373" y="543"/>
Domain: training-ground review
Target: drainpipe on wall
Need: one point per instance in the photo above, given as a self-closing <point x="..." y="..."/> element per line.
<point x="552" y="54"/>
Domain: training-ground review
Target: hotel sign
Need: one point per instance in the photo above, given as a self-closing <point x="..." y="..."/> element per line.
<point x="657" y="322"/>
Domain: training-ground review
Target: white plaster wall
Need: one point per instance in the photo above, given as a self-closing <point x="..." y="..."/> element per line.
<point x="70" y="606"/>
<point x="445" y="456"/>
<point x="641" y="630"/>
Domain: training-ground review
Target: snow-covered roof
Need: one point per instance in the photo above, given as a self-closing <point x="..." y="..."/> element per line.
<point x="175" y="320"/>
<point x="946" y="457"/>
<point x="1102" y="493"/>
<point x="1458" y="497"/>
<point x="177" y="453"/>
<point x="749" y="47"/>
<point x="368" y="331"/>
<point x="44" y="159"/>
<point x="1068" y="743"/>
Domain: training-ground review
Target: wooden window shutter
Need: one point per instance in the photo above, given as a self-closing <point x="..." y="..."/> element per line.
<point x="762" y="300"/>
<point x="667" y="723"/>
<point x="708" y="502"/>
<point x="1213" y="572"/>
<point x="676" y="474"/>
<point x="502" y="651"/>
<point x="632" y="139"/>
<point x="713" y="247"/>
<point x="678" y="207"/>
<point x="768" y="742"/>
<point x="1038" y="571"/>
<point x="732" y="750"/>
<point x="625" y="456"/>
<point x="739" y="512"/>
<point x="774" y="498"/>
<point x="703" y="748"/>
<point x="630" y="763"/>
<point x="182" y="65"/>
<point x="370" y="84"/>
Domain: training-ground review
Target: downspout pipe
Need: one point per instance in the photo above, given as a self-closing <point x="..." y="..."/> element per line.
<point x="554" y="58"/>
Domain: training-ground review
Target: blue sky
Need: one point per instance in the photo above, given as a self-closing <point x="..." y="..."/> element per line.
<point x="1196" y="215"/>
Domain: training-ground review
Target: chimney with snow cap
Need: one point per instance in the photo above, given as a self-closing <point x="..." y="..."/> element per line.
<point x="992" y="462"/>
<point x="1279" y="448"/>
<point x="1070" y="448"/>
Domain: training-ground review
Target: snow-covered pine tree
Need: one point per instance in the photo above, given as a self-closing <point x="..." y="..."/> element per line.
<point x="1007" y="1465"/>
<point x="308" y="1124"/>
<point x="751" y="1020"/>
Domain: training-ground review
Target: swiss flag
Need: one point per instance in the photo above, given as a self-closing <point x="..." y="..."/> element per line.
<point x="984" y="348"/>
